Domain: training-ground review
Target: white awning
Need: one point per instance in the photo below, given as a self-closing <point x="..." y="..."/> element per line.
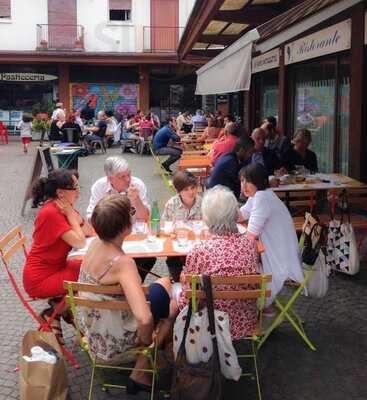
<point x="230" y="71"/>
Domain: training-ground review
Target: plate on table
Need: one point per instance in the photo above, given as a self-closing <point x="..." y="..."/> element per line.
<point x="143" y="246"/>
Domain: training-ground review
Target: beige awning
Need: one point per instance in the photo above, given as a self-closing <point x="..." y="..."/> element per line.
<point x="230" y="71"/>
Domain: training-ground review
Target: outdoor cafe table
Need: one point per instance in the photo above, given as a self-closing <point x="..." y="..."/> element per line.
<point x="321" y="182"/>
<point x="138" y="246"/>
<point x="195" y="162"/>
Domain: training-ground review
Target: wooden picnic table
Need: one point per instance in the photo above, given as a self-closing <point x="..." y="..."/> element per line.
<point x="195" y="162"/>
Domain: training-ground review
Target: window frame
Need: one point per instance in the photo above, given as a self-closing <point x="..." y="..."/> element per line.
<point x="119" y="22"/>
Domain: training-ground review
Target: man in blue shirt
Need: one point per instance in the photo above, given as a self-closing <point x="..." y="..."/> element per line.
<point x="161" y="146"/>
<point x="228" y="166"/>
<point x="198" y="120"/>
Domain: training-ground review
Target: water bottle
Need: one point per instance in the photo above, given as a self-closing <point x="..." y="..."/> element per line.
<point x="155" y="221"/>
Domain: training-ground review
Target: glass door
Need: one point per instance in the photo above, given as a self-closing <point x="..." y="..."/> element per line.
<point x="343" y="116"/>
<point x="314" y="109"/>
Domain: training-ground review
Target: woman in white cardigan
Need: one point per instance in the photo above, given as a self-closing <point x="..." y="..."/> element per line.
<point x="269" y="219"/>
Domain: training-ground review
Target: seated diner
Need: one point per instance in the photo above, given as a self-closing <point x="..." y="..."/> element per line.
<point x="227" y="253"/>
<point x="111" y="333"/>
<point x="57" y="229"/>
<point x="269" y="220"/>
<point x="185" y="206"/>
<point x="300" y="154"/>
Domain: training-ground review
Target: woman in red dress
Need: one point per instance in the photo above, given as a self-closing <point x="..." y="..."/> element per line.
<point x="58" y="228"/>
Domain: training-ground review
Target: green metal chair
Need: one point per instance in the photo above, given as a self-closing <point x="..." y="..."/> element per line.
<point x="115" y="304"/>
<point x="254" y="287"/>
<point x="160" y="170"/>
<point x="286" y="312"/>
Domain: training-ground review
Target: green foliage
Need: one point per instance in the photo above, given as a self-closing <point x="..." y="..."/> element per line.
<point x="40" y="125"/>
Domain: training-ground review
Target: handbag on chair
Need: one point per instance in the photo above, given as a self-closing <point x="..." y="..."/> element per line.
<point x="202" y="381"/>
<point x="342" y="250"/>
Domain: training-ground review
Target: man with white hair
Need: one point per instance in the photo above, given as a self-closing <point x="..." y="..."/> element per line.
<point x="118" y="179"/>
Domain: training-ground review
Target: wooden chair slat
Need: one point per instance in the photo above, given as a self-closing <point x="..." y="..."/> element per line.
<point x="235" y="280"/>
<point x="105" y="305"/>
<point x="98" y="289"/>
<point x="230" y="294"/>
<point x="4" y="241"/>
<point x="14" y="248"/>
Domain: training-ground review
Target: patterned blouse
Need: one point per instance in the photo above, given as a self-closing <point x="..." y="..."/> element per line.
<point x="176" y="210"/>
<point x="227" y="255"/>
<point x="110" y="333"/>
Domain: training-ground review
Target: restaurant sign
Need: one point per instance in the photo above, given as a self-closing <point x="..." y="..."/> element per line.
<point x="25" y="77"/>
<point x="265" y="61"/>
<point x="330" y="40"/>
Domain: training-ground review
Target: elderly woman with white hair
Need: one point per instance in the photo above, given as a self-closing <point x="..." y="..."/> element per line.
<point x="227" y="253"/>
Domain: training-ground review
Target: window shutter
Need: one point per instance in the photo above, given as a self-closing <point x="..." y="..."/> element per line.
<point x="119" y="4"/>
<point x="5" y="9"/>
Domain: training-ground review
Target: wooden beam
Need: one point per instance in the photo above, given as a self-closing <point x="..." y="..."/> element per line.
<point x="202" y="13"/>
<point x="357" y="135"/>
<point x="282" y="93"/>
<point x="144" y="88"/>
<point x="224" y="40"/>
<point x="44" y="57"/>
<point x="253" y="15"/>
<point x="64" y="85"/>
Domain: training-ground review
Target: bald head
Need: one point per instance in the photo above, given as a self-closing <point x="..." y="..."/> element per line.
<point x="258" y="136"/>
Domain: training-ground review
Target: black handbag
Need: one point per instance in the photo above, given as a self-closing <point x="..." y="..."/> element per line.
<point x="202" y="381"/>
<point x="310" y="252"/>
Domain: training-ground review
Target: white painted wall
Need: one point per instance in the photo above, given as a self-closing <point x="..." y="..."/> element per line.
<point x="19" y="33"/>
<point x="101" y="35"/>
<point x="185" y="8"/>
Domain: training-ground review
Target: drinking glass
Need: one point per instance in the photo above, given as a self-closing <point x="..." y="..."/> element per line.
<point x="182" y="237"/>
<point x="139" y="227"/>
<point x="197" y="226"/>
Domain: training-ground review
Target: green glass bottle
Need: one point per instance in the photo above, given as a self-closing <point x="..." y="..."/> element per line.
<point x="155" y="220"/>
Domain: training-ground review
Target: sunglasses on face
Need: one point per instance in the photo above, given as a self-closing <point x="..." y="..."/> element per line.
<point x="77" y="187"/>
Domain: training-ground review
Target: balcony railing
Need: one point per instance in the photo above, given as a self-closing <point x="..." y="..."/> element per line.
<point x="161" y="39"/>
<point x="60" y="37"/>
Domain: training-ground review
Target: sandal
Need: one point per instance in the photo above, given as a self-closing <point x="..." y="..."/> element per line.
<point x="55" y="325"/>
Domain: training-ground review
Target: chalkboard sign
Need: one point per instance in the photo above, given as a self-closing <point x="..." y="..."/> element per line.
<point x="42" y="160"/>
<point x="47" y="162"/>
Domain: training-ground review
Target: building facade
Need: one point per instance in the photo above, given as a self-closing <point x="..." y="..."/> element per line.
<point x="121" y="54"/>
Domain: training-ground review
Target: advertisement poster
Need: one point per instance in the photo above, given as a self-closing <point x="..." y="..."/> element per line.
<point x="122" y="98"/>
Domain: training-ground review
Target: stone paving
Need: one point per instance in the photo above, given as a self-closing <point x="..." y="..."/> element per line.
<point x="337" y="324"/>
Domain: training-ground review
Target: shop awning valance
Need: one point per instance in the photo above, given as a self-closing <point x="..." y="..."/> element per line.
<point x="230" y="71"/>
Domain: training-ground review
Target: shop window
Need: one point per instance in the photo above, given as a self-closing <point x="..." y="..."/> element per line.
<point x="343" y="118"/>
<point x="119" y="10"/>
<point x="5" y="9"/>
<point x="266" y="89"/>
<point x="314" y="109"/>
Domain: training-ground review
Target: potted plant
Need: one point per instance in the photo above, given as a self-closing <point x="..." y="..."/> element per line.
<point x="40" y="126"/>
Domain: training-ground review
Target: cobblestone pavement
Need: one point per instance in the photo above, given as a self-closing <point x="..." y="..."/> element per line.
<point x="337" y="324"/>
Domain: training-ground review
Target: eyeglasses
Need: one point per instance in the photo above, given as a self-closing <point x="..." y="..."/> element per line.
<point x="72" y="188"/>
<point x="132" y="211"/>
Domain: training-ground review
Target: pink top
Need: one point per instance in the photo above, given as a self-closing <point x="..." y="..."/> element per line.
<point x="227" y="255"/>
<point x="221" y="147"/>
